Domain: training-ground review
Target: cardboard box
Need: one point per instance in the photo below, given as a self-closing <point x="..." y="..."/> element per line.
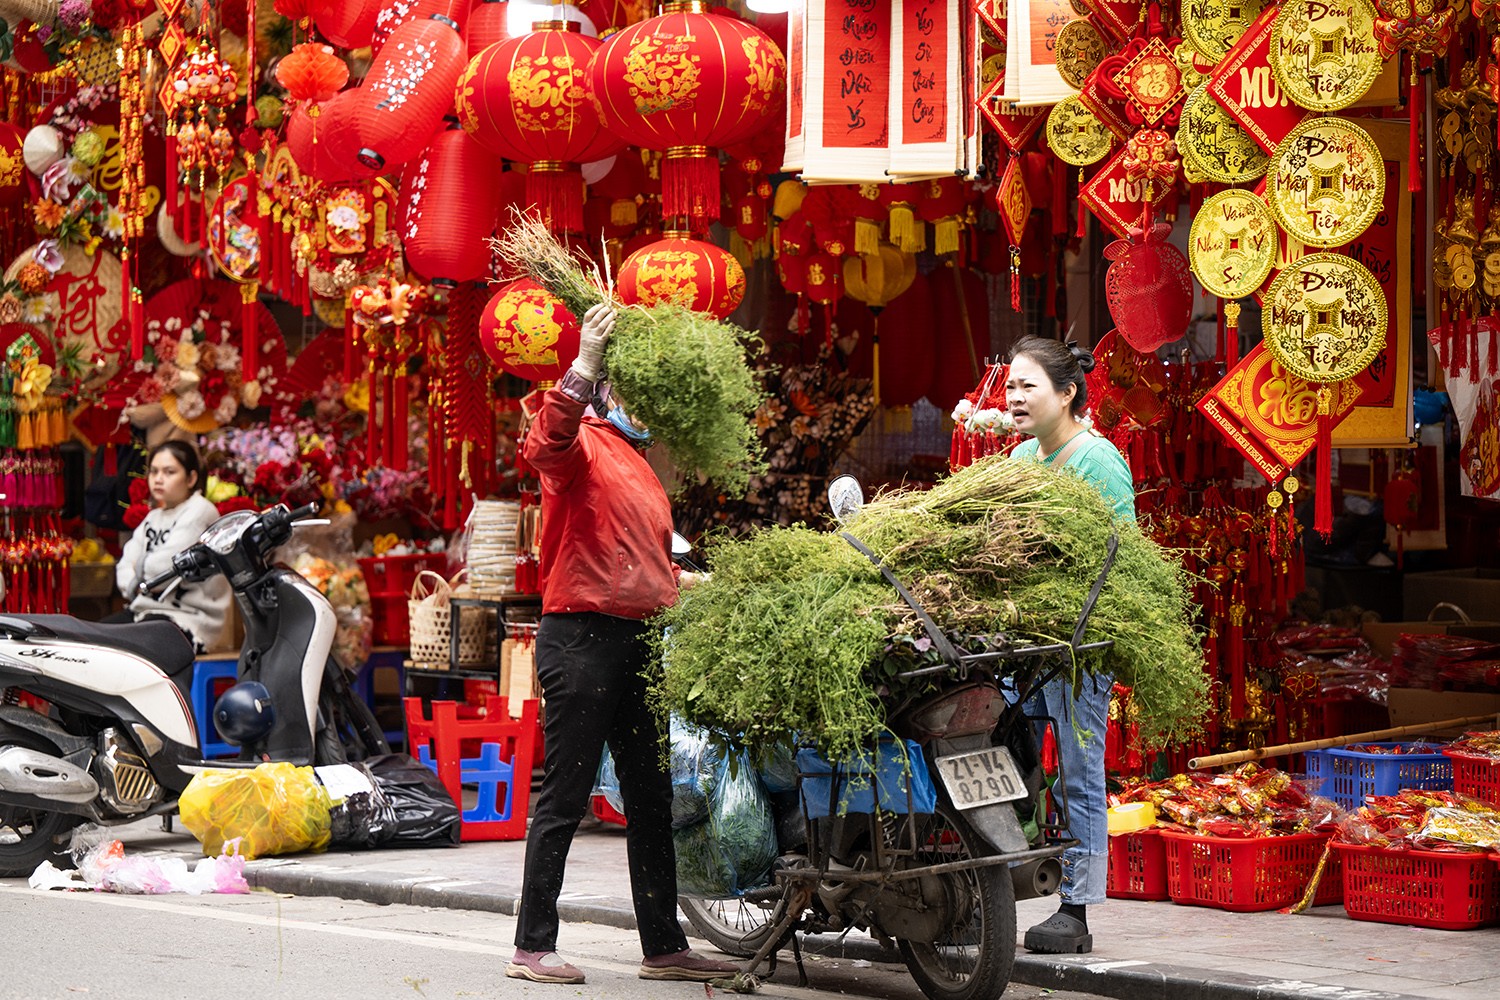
<point x="1476" y="591"/>
<point x="1383" y="635"/>
<point x="1417" y="706"/>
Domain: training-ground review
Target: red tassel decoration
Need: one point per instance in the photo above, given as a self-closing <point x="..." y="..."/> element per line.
<point x="250" y="318"/>
<point x="1323" y="513"/>
<point x="1237" y="707"/>
<point x="689" y="185"/>
<point x="556" y="189"/>
<point x="1416" y="100"/>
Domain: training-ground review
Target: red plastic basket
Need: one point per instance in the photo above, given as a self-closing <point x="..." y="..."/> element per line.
<point x="1137" y="866"/>
<point x="1477" y="777"/>
<point x="392" y="619"/>
<point x="1250" y="874"/>
<point x="1451" y="892"/>
<point x="395" y="574"/>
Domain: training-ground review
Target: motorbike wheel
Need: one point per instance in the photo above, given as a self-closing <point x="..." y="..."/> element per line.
<point x="30" y="836"/>
<point x="734" y="926"/>
<point x="974" y="960"/>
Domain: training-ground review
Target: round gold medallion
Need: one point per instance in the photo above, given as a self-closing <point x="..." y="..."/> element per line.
<point x="1220" y="148"/>
<point x="1213" y="26"/>
<point x="1326" y="182"/>
<point x="1074" y="135"/>
<point x="1325" y="318"/>
<point x="1191" y="171"/>
<point x="1080" y="48"/>
<point x="1232" y="243"/>
<point x="1324" y="54"/>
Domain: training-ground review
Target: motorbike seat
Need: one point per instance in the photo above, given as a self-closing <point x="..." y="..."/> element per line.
<point x="158" y="642"/>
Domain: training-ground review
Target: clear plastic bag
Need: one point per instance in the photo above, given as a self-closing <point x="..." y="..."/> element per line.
<point x="778" y="772"/>
<point x="275" y="808"/>
<point x="696" y="764"/>
<point x="607" y="783"/>
<point x="731" y="851"/>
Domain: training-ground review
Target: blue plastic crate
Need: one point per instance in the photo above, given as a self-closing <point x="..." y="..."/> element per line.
<point x="1347" y="776"/>
<point x="901" y="780"/>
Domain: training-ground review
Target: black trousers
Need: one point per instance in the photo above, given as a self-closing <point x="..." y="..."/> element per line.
<point x="590" y="666"/>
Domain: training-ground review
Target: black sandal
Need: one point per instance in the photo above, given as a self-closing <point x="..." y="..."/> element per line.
<point x="1060" y="934"/>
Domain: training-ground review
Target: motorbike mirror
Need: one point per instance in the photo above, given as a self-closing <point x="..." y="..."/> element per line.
<point x="680" y="546"/>
<point x="845" y="498"/>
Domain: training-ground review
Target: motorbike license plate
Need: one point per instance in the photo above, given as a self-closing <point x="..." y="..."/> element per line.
<point x="981" y="778"/>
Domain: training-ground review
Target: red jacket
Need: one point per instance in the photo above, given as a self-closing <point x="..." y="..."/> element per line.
<point x="606" y="522"/>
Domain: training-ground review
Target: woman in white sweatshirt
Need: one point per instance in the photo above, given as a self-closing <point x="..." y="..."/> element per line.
<point x="178" y="517"/>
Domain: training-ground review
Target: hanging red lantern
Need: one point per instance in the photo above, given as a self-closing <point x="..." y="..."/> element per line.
<point x="449" y="206"/>
<point x="527" y="100"/>
<point x="398" y="12"/>
<point x="348" y="24"/>
<point x="750" y="217"/>
<point x="527" y="331"/>
<point x="299" y="10"/>
<point x="899" y="354"/>
<point x="312" y="73"/>
<point x="685" y="83"/>
<point x="12" y="166"/>
<point x="326" y="148"/>
<point x="487" y="25"/>
<point x="689" y="273"/>
<point x="408" y="90"/>
<point x="825" y="279"/>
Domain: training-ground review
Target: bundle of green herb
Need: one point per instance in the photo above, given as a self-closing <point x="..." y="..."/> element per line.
<point x="797" y="633"/>
<point x="681" y="373"/>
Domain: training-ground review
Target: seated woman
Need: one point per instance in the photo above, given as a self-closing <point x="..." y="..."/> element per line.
<point x="178" y="517"/>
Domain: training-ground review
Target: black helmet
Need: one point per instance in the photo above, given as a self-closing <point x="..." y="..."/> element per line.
<point x="244" y="714"/>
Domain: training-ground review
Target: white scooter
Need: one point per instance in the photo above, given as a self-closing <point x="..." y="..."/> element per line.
<point x="120" y="741"/>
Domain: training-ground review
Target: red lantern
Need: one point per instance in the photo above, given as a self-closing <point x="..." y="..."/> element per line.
<point x="311" y="72"/>
<point x="899" y="355"/>
<point x="750" y="217"/>
<point x="298" y="10"/>
<point x="528" y="332"/>
<point x="825" y="280"/>
<point x="683" y="83"/>
<point x="689" y="273"/>
<point x="398" y="12"/>
<point x="348" y="24"/>
<point x="326" y="148"/>
<point x="963" y="334"/>
<point x="408" y="90"/>
<point x="527" y="99"/>
<point x="486" y="25"/>
<point x="12" y="166"/>
<point x="449" y="207"/>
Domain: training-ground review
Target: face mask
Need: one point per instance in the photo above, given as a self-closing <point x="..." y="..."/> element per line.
<point x="617" y="417"/>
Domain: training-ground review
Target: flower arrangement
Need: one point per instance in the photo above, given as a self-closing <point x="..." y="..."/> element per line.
<point x="193" y="371"/>
<point x="344" y="586"/>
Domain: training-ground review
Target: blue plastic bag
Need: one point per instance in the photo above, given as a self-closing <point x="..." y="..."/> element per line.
<point x="895" y="773"/>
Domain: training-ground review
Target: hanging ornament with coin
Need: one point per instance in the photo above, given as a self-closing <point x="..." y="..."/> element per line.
<point x="1232" y="247"/>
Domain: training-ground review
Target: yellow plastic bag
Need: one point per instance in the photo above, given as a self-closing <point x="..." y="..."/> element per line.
<point x="276" y="808"/>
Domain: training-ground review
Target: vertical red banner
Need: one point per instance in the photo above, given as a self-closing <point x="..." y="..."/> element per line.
<point x="924" y="71"/>
<point x="796" y="33"/>
<point x="857" y="66"/>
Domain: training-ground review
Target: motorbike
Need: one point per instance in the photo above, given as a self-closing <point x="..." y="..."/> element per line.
<point x="120" y="741"/>
<point x="941" y="886"/>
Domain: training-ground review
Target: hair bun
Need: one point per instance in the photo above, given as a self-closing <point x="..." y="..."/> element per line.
<point x="1084" y="358"/>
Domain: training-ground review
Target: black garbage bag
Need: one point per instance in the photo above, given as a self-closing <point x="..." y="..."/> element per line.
<point x="425" y="814"/>
<point x="361" y="817"/>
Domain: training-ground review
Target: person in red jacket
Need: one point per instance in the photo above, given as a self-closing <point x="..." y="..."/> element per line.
<point x="606" y="540"/>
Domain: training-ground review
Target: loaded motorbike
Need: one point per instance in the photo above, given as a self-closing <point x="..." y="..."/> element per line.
<point x="120" y="742"/>
<point x="941" y="885"/>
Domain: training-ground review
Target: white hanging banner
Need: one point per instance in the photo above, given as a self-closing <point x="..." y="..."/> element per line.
<point x="1031" y="52"/>
<point x="926" y="88"/>
<point x="796" y="83"/>
<point x="845" y="130"/>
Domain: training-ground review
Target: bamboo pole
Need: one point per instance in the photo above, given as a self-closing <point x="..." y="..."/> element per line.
<point x="1238" y="756"/>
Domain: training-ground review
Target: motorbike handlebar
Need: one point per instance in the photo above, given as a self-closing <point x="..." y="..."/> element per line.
<point x="157" y="582"/>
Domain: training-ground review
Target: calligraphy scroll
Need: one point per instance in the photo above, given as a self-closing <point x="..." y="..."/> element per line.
<point x="844" y="132"/>
<point x="926" y="113"/>
<point x="1031" y="76"/>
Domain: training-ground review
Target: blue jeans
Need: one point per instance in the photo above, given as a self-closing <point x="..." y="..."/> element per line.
<point x="1085" y="867"/>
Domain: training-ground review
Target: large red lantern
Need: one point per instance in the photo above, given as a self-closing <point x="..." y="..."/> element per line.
<point x="527" y="331"/>
<point x="408" y="90"/>
<point x="527" y="100"/>
<point x="685" y="83"/>
<point x="688" y="273"/>
<point x="349" y="24"/>
<point x="449" y="201"/>
<point x="487" y="25"/>
<point x="326" y="148"/>
<point x="397" y="12"/>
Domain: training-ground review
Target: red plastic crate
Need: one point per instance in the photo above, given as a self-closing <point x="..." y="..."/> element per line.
<point x="1451" y="892"/>
<point x="604" y="812"/>
<point x="396" y="574"/>
<point x="1137" y="866"/>
<point x="392" y="619"/>
<point x="1250" y="874"/>
<point x="1477" y="777"/>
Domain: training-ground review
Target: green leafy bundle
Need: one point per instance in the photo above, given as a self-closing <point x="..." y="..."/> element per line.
<point x="796" y="631"/>
<point x="682" y="374"/>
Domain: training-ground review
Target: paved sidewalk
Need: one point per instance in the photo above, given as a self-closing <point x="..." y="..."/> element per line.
<point x="1142" y="951"/>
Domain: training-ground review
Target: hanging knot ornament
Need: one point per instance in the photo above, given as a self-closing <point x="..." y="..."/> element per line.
<point x="388" y="311"/>
<point x="1149" y="288"/>
<point x="1325" y="321"/>
<point x="1151" y="158"/>
<point x="1151" y="82"/>
<point x="1418" y="26"/>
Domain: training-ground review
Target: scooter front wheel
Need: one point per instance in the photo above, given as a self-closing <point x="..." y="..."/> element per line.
<point x="29" y="836"/>
<point x="734" y="926"/>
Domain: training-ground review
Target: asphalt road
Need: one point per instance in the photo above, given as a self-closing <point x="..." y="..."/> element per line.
<point x="265" y="946"/>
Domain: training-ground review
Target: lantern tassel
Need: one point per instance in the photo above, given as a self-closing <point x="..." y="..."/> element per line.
<point x="556" y="189"/>
<point x="945" y="236"/>
<point x="1415" y="101"/>
<point x="623" y="213"/>
<point x="1323" y="508"/>
<point x="690" y="184"/>
<point x="906" y="232"/>
<point x="866" y="236"/>
<point x="249" y="318"/>
<point x="875" y="359"/>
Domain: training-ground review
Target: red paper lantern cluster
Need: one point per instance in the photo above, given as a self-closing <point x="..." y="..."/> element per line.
<point x="449" y="206"/>
<point x="349" y="24"/>
<point x="688" y="273"/>
<point x="326" y="148"/>
<point x="487" y="25"/>
<point x="527" y="99"/>
<point x="311" y="72"/>
<point x="686" y="83"/>
<point x="408" y="91"/>
<point x="528" y="332"/>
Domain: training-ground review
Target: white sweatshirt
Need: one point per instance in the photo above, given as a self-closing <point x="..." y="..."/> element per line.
<point x="198" y="608"/>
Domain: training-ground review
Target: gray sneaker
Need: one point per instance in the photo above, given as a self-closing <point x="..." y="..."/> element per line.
<point x="542" y="967"/>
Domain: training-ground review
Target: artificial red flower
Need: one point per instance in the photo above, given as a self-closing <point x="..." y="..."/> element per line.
<point x="140" y="490"/>
<point x="212" y="387"/>
<point x="235" y="503"/>
<point x="134" y="515"/>
<point x="268" y="478"/>
<point x="318" y="461"/>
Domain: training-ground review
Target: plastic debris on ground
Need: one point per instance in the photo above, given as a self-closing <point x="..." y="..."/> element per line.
<point x="1423" y="821"/>
<point x="103" y="866"/>
<point x="1251" y="801"/>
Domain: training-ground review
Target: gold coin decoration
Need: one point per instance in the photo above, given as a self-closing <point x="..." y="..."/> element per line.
<point x="1232" y="243"/>
<point x="1326" y="182"/>
<point x="1074" y="135"/>
<point x="1213" y="26"/>
<point x="1324" y="54"/>
<point x="1080" y="48"/>
<point x="1191" y="172"/>
<point x="1222" y="150"/>
<point x="1325" y="318"/>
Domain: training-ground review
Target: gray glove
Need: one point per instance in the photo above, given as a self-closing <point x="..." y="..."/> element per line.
<point x="598" y="324"/>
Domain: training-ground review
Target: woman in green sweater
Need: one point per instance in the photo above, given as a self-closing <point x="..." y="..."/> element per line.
<point x="1048" y="397"/>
